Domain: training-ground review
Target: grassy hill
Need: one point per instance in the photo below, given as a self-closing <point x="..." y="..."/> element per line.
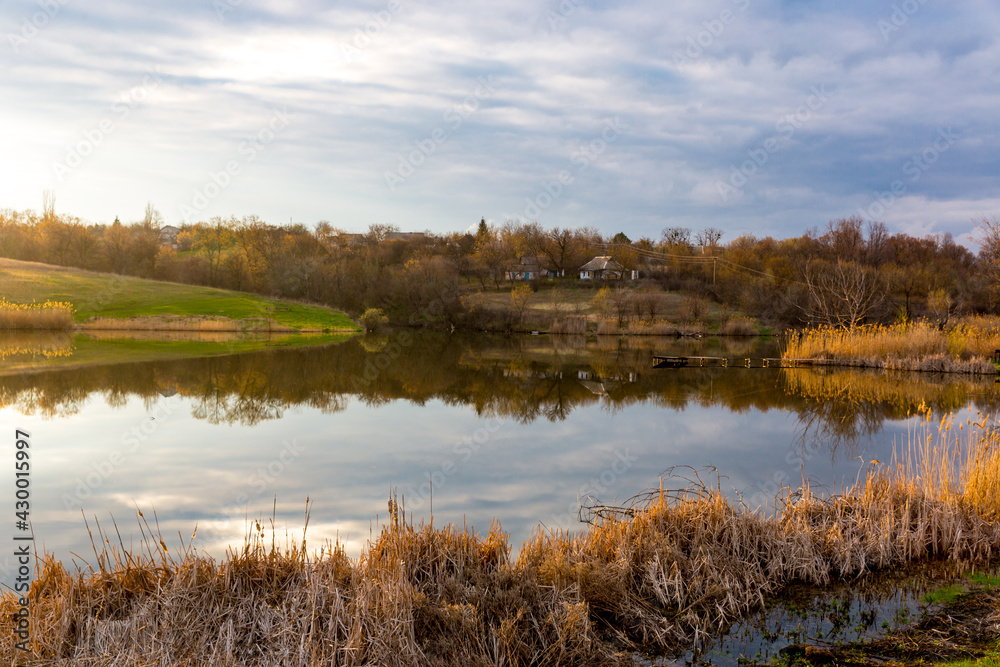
<point x="117" y="297"/>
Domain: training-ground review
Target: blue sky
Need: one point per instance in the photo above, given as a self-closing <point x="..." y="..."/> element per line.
<point x="754" y="116"/>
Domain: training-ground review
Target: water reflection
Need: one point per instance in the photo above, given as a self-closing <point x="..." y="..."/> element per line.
<point x="522" y="378"/>
<point x="518" y="428"/>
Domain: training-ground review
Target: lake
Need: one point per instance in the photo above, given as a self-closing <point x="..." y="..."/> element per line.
<point x="461" y="429"/>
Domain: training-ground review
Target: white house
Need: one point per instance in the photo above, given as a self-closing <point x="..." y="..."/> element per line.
<point x="604" y="268"/>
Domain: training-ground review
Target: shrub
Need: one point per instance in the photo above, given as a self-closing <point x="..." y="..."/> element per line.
<point x="373" y="319"/>
<point x="738" y="326"/>
<point x="574" y="324"/>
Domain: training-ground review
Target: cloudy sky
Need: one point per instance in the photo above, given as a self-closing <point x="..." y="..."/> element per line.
<point x="760" y="116"/>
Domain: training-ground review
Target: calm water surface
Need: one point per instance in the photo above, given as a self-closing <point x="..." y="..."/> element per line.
<point x="522" y="429"/>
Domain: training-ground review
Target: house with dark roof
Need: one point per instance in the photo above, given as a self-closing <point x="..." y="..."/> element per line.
<point x="530" y="268"/>
<point x="604" y="268"/>
<point x="168" y="236"/>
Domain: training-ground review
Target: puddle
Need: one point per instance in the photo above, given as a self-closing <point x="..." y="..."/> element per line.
<point x="862" y="609"/>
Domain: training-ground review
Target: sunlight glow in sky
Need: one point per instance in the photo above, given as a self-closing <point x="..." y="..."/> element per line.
<point x="762" y="116"/>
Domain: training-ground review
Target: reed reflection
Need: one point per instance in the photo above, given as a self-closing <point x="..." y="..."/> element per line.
<point x="523" y="378"/>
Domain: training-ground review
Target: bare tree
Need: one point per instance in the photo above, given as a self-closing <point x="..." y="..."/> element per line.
<point x="621" y="299"/>
<point x="988" y="237"/>
<point x="677" y="236"/>
<point x="941" y="303"/>
<point x="152" y="217"/>
<point x="843" y="294"/>
<point x="708" y="237"/>
<point x="48" y="204"/>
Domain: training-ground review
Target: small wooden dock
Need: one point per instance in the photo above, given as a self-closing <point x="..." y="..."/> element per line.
<point x="660" y="361"/>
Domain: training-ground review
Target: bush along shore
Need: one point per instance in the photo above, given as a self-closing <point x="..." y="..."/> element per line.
<point x="655" y="577"/>
<point x="966" y="347"/>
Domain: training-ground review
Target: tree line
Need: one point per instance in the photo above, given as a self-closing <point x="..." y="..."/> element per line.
<point x="851" y="271"/>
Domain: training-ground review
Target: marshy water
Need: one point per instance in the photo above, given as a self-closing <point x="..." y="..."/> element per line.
<point x="463" y="429"/>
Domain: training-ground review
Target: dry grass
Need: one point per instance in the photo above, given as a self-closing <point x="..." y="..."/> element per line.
<point x="652" y="329"/>
<point x="657" y="574"/>
<point x="573" y="324"/>
<point x="917" y="346"/>
<point x="50" y="315"/>
<point x="738" y="326"/>
<point x="183" y="323"/>
<point x="608" y="328"/>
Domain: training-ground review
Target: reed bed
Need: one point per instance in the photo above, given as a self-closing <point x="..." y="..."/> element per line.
<point x="916" y="346"/>
<point x="571" y="324"/>
<point x="651" y="329"/>
<point x="608" y="328"/>
<point x="49" y="315"/>
<point x="738" y="326"/>
<point x="657" y="574"/>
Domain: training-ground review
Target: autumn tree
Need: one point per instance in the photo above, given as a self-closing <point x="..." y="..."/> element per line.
<point x="519" y="297"/>
<point x="116" y="246"/>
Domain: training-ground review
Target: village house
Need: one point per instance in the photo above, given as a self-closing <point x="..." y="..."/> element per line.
<point x="529" y="268"/>
<point x="604" y="268"/>
<point x="168" y="236"/>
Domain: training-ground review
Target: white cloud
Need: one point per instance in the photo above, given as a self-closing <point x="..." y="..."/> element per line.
<point x="689" y="123"/>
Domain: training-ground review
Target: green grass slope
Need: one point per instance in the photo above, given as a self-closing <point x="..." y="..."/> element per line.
<point x="113" y="296"/>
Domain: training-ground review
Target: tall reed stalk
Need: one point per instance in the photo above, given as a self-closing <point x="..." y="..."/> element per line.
<point x="913" y="346"/>
<point x="658" y="574"/>
<point x="50" y="315"/>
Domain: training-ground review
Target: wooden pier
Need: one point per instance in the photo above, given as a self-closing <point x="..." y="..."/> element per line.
<point x="660" y="361"/>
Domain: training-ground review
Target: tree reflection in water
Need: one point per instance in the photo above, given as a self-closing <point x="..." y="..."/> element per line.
<point x="525" y="378"/>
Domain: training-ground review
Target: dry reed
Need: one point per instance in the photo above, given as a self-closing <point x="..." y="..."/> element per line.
<point x="608" y="328"/>
<point x="658" y="574"/>
<point x="184" y="323"/>
<point x="915" y="346"/>
<point x="572" y="324"/>
<point x="50" y="315"/>
<point x="652" y="329"/>
<point x="738" y="326"/>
